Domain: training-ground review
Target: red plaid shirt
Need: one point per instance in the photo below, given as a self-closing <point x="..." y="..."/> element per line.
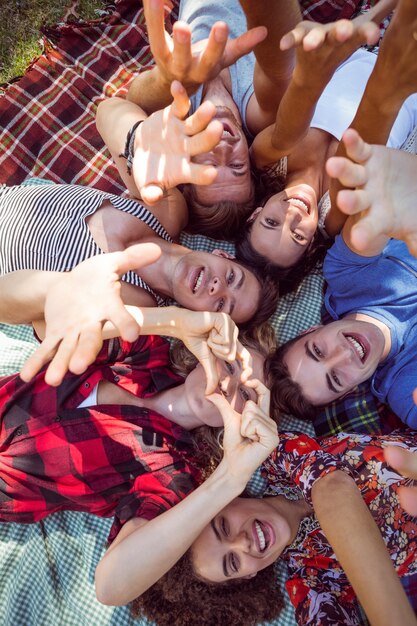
<point x="125" y="461"/>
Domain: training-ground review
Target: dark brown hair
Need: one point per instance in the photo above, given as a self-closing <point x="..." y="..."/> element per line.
<point x="268" y="297"/>
<point x="180" y="598"/>
<point x="286" y="395"/>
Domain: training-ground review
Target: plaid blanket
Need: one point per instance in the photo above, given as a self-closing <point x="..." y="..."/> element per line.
<point x="48" y="131"/>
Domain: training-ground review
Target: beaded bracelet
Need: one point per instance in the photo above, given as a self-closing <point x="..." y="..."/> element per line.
<point x="129" y="153"/>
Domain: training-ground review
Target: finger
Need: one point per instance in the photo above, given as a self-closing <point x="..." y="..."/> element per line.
<point x="408" y="499"/>
<point x="155" y="22"/>
<point x="236" y="48"/>
<point x="134" y="257"/>
<point x="181" y="104"/>
<point x="341" y="31"/>
<point x="365" y="231"/>
<point x="415" y="396"/>
<point x="88" y="346"/>
<point x="215" y="47"/>
<point x="295" y="37"/>
<point x="202" y="174"/>
<point x="349" y="173"/>
<point x="223" y="336"/>
<point x="356" y="148"/>
<point x="199" y="120"/>
<point x="208" y="361"/>
<point x="182" y="55"/>
<point x="404" y="461"/>
<point x="38" y="359"/>
<point x="223" y="406"/>
<point x="371" y="33"/>
<point x="245" y="358"/>
<point x="152" y="193"/>
<point x="352" y="201"/>
<point x="59" y="365"/>
<point x="206" y="140"/>
<point x="314" y="39"/>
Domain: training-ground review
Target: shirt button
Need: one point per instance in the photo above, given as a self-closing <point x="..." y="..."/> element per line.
<point x="86" y="385"/>
<point x="58" y="418"/>
<point x="116" y="379"/>
<point x="19" y="431"/>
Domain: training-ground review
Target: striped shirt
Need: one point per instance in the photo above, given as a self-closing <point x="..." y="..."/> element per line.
<point x="43" y="227"/>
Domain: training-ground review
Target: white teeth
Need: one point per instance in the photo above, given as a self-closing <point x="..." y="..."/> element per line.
<point x="198" y="281"/>
<point x="261" y="536"/>
<point x="299" y="203"/>
<point x="357" y="346"/>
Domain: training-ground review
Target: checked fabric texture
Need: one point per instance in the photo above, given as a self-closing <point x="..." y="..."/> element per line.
<point x="48" y="131"/>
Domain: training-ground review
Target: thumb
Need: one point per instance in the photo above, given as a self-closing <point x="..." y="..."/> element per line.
<point x="151" y="193"/>
<point x="208" y="361"/>
<point x="364" y="232"/>
<point x="139" y="255"/>
<point x="401" y="460"/>
<point x="223" y="406"/>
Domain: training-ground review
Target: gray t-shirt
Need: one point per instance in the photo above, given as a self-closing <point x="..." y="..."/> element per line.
<point x="201" y="15"/>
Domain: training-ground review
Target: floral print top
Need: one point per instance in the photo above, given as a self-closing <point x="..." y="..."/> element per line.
<point x="317" y="584"/>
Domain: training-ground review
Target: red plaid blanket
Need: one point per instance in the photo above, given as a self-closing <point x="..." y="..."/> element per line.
<point x="48" y="115"/>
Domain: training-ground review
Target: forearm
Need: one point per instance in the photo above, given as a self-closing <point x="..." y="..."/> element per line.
<point x="166" y="321"/>
<point x="23" y="295"/>
<point x="273" y="67"/>
<point x="149" y="91"/>
<point x="360" y="549"/>
<point x="139" y="560"/>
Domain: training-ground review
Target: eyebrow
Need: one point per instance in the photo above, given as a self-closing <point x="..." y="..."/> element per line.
<point x="313" y="356"/>
<point x="224" y="561"/>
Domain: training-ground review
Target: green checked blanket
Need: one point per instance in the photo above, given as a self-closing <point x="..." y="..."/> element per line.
<point x="48" y="131"/>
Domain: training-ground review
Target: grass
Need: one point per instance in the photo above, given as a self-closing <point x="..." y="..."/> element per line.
<point x="20" y="29"/>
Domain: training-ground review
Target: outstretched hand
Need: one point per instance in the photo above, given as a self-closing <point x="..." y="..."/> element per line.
<point x="248" y="438"/>
<point x="165" y="143"/>
<point x="194" y="64"/>
<point x="385" y="187"/>
<point x="76" y="308"/>
<point x="321" y="48"/>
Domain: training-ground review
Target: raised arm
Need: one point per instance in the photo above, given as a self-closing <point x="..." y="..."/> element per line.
<point x="273" y="67"/>
<point x="158" y="544"/>
<point x="360" y="549"/>
<point x="157" y="155"/>
<point x="320" y="49"/>
<point x="177" y="58"/>
<point x="393" y="79"/>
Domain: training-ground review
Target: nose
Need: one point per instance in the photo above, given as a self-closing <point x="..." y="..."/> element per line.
<point x="295" y="214"/>
<point x="241" y="541"/>
<point x="215" y="286"/>
<point x="339" y="355"/>
<point x="222" y="151"/>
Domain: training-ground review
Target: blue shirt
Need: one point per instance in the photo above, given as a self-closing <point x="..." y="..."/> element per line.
<point x="385" y="288"/>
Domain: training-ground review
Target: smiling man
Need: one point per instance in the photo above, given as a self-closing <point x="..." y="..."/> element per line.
<point x="372" y="297"/>
<point x="210" y="53"/>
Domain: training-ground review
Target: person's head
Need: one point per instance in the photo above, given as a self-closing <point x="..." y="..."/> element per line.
<point x="231" y="159"/>
<point x="281" y="236"/>
<point x="260" y="343"/>
<point x="181" y="597"/>
<point x="214" y="281"/>
<point x="324" y="364"/>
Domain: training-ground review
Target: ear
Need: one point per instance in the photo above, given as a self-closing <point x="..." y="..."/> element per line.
<point x="347" y="393"/>
<point x="223" y="254"/>
<point x="253" y="215"/>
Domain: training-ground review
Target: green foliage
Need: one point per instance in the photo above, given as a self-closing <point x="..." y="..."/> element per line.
<point x="19" y="28"/>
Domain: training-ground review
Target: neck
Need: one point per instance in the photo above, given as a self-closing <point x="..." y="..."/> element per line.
<point x="172" y="404"/>
<point x="219" y="92"/>
<point x="159" y="275"/>
<point x="293" y="510"/>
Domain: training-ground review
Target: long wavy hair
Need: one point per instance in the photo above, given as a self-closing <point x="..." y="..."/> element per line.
<point x="181" y="598"/>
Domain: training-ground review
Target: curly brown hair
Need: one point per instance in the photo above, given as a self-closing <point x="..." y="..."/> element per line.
<point x="180" y="598"/>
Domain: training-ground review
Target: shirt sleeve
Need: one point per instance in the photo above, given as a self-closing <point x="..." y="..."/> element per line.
<point x="146" y="350"/>
<point x="302" y="459"/>
<point x="323" y="598"/>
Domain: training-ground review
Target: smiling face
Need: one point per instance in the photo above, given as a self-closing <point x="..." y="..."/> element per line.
<point x="215" y="282"/>
<point x="230" y="384"/>
<point x="330" y="361"/>
<point x="231" y="159"/>
<point x="246" y="536"/>
<point x="283" y="229"/>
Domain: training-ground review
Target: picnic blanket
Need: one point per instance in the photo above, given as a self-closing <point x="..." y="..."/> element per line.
<point x="48" y="131"/>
